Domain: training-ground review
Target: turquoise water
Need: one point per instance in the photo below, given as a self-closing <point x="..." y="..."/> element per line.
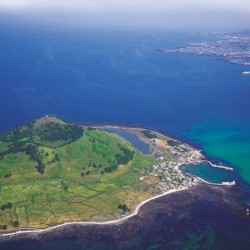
<point x="210" y="174"/>
<point x="229" y="144"/>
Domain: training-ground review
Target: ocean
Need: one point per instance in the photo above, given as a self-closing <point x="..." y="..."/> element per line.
<point x="122" y="77"/>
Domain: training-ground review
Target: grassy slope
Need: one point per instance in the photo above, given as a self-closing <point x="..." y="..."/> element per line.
<point x="62" y="193"/>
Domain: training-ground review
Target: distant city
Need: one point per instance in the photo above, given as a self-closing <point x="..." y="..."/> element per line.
<point x="231" y="47"/>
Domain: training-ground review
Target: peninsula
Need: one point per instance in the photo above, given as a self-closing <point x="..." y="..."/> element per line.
<point x="230" y="47"/>
<point x="54" y="172"/>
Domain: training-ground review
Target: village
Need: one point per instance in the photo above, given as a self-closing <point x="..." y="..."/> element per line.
<point x="170" y="156"/>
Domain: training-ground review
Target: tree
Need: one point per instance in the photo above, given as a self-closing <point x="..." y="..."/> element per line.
<point x="57" y="158"/>
<point x="149" y="134"/>
<point x="123" y="207"/>
<point x="16" y="223"/>
<point x="6" y="206"/>
<point x="8" y="175"/>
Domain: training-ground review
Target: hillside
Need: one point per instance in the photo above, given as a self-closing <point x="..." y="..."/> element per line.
<point x="52" y="171"/>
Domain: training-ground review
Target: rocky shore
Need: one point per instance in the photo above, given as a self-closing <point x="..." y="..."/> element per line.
<point x="175" y="209"/>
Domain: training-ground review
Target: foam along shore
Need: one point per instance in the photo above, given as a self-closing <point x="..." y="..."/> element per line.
<point x="65" y="224"/>
<point x="219" y="166"/>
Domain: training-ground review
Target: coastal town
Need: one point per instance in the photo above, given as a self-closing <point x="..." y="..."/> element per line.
<point x="170" y="156"/>
<point x="234" y="48"/>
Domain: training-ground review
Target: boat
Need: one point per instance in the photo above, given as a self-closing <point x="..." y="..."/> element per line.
<point x="246" y="72"/>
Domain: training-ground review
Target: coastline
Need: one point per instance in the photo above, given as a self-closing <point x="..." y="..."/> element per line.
<point x="183" y="139"/>
<point x="186" y="142"/>
<point x="36" y="231"/>
<point x="23" y="231"/>
<point x="170" y="216"/>
<point x="116" y="221"/>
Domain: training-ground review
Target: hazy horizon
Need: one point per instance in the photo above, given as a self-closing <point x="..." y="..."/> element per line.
<point x="137" y="14"/>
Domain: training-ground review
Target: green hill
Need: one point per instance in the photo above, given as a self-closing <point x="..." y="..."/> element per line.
<point x="53" y="171"/>
<point x="49" y="132"/>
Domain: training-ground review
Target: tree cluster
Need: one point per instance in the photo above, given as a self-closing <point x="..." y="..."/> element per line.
<point x="15" y="223"/>
<point x="53" y="132"/>
<point x="15" y="147"/>
<point x="18" y="133"/>
<point x="6" y="206"/>
<point x="3" y="227"/>
<point x="126" y="156"/>
<point x="149" y="134"/>
<point x="35" y="155"/>
<point x="174" y="143"/>
<point x="124" y="207"/>
<point x="110" y="169"/>
<point x="7" y="175"/>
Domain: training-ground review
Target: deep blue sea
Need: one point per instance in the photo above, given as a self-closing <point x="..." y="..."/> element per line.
<point x="122" y="77"/>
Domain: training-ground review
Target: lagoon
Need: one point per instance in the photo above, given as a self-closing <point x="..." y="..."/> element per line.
<point x="132" y="138"/>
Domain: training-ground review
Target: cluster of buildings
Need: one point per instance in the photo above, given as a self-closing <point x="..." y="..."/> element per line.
<point x="234" y="48"/>
<point x="168" y="162"/>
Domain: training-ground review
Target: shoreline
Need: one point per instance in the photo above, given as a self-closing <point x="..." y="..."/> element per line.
<point x="86" y="223"/>
<point x="183" y="139"/>
<point x="135" y="126"/>
<point x="23" y="231"/>
<point x="199" y="151"/>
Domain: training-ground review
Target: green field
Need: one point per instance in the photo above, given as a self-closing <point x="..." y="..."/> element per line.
<point x="52" y="171"/>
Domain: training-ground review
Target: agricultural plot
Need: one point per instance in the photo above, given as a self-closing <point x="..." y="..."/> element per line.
<point x="52" y="171"/>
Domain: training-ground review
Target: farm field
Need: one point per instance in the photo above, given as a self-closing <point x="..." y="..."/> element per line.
<point x="52" y="171"/>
